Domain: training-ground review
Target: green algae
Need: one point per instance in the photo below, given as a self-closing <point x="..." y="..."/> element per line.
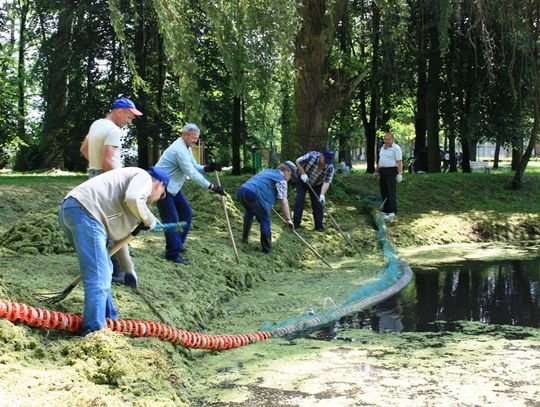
<point x="38" y="233"/>
<point x="214" y="294"/>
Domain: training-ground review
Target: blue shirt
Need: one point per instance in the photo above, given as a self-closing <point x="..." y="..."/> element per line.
<point x="269" y="186"/>
<point x="178" y="161"/>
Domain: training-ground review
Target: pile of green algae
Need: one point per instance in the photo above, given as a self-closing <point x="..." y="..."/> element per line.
<point x="107" y="369"/>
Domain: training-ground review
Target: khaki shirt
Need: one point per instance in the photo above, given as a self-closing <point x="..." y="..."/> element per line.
<point x="117" y="199"/>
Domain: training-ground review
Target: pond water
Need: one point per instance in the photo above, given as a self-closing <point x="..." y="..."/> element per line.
<point x="499" y="292"/>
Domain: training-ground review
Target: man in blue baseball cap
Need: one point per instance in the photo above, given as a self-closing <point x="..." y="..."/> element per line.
<point x="101" y="147"/>
<point x="125" y="103"/>
<point x="316" y="171"/>
<point x="104" y="209"/>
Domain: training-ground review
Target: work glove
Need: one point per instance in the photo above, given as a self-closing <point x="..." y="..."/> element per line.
<point x="399" y="178"/>
<point x="304" y="177"/>
<point x="140" y="227"/>
<point x="212" y="167"/>
<point x="217" y="189"/>
<point x="376" y="175"/>
<point x="130" y="279"/>
<point x="322" y="199"/>
<point x="164" y="227"/>
<point x="289" y="223"/>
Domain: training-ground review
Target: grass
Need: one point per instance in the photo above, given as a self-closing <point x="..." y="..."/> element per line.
<point x="214" y="291"/>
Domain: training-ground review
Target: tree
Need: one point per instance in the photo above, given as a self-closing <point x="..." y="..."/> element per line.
<point x="55" y="120"/>
<point x="323" y="84"/>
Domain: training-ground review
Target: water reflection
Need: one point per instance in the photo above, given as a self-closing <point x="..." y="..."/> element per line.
<point x="502" y="292"/>
<point x="505" y="292"/>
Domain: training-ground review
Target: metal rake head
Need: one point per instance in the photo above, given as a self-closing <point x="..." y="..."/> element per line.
<point x="51" y="298"/>
<point x="55" y="297"/>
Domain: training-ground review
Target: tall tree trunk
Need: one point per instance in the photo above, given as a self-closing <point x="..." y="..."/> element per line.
<point x="517" y="148"/>
<point x="142" y="123"/>
<point x="55" y="121"/>
<point x="320" y="90"/>
<point x="420" y="128"/>
<point x="432" y="98"/>
<point x="369" y="120"/>
<point x="496" y="154"/>
<point x="21" y="70"/>
<point x="517" y="181"/>
<point x="236" y="134"/>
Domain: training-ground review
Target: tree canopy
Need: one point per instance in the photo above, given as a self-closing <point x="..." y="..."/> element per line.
<point x="296" y="75"/>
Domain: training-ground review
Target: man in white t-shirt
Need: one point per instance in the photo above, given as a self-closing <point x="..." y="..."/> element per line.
<point x="101" y="147"/>
<point x="390" y="170"/>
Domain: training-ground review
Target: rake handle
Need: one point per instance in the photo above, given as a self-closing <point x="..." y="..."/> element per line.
<point x="78" y="279"/>
<point x="229" y="228"/>
<point x="304" y="241"/>
<point x="325" y="209"/>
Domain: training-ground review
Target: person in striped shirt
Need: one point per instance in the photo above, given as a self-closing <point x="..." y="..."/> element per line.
<point x="316" y="171"/>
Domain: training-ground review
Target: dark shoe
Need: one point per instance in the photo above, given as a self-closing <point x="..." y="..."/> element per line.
<point x="179" y="260"/>
<point x="266" y="243"/>
<point x="182" y="250"/>
<point x="296" y="225"/>
<point x="319" y="229"/>
<point x="118" y="277"/>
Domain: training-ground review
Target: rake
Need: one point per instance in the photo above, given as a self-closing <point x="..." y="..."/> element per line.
<point x="325" y="209"/>
<point x="55" y="297"/>
<point x="304" y="241"/>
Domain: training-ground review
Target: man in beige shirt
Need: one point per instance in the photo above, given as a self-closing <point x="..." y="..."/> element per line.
<point x="107" y="208"/>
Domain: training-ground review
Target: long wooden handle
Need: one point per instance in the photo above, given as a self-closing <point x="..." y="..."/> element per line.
<point x="325" y="209"/>
<point x="231" y="237"/>
<point x="112" y="251"/>
<point x="304" y="241"/>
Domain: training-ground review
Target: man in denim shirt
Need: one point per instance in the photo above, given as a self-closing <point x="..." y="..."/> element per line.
<point x="178" y="162"/>
<point x="317" y="170"/>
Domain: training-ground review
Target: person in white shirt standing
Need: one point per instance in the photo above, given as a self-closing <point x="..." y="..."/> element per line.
<point x="101" y="147"/>
<point x="390" y="171"/>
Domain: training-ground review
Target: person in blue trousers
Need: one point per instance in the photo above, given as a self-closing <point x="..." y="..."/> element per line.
<point x="104" y="210"/>
<point x="259" y="194"/>
<point x="178" y="162"/>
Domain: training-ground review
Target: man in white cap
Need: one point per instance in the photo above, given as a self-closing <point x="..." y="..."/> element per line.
<point x="101" y="147"/>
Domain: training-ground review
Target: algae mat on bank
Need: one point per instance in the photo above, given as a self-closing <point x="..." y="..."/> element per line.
<point x="40" y="367"/>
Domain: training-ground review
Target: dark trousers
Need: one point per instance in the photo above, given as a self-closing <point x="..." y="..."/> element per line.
<point x="387" y="183"/>
<point x="253" y="208"/>
<point x="316" y="206"/>
<point x="173" y="209"/>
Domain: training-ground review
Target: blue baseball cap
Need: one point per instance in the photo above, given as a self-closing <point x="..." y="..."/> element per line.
<point x="328" y="157"/>
<point x="159" y="174"/>
<point x="125" y="103"/>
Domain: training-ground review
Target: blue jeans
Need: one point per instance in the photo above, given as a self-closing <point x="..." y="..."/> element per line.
<point x="316" y="206"/>
<point x="89" y="238"/>
<point x="173" y="209"/>
<point x="253" y="208"/>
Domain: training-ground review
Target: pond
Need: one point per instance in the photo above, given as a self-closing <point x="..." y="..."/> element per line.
<point x="498" y="292"/>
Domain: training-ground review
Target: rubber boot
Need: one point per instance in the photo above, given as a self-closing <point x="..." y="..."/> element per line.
<point x="266" y="243"/>
<point x="245" y="230"/>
